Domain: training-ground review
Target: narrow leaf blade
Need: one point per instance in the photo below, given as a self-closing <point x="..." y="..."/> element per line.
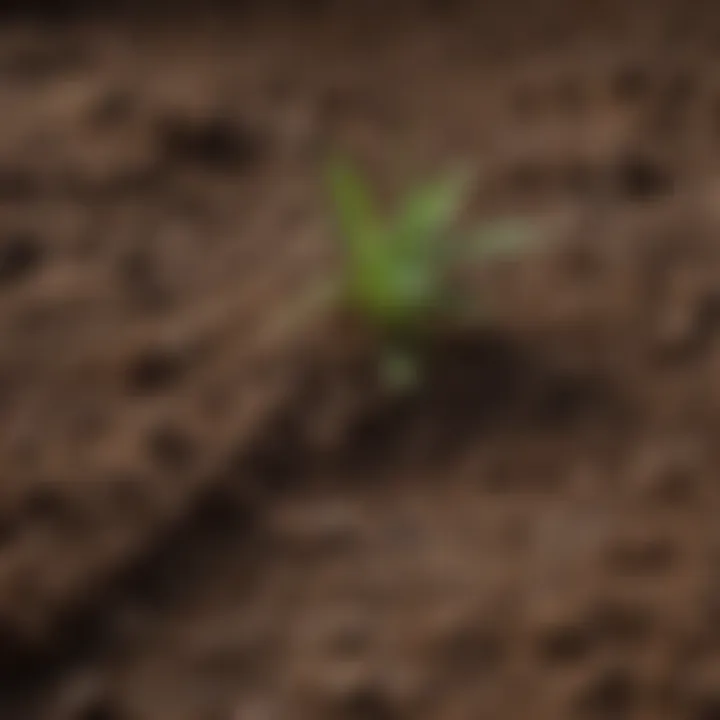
<point x="426" y="216"/>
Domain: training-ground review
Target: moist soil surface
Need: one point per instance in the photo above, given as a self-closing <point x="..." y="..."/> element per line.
<point x="208" y="513"/>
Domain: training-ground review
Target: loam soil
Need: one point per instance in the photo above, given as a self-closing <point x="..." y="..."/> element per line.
<point x="203" y="517"/>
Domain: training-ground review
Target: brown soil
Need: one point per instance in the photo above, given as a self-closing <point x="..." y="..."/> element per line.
<point x="204" y="519"/>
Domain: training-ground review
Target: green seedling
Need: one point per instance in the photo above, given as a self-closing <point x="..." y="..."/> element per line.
<point x="397" y="272"/>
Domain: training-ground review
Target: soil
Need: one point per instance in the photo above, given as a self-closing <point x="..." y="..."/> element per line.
<point x="209" y="513"/>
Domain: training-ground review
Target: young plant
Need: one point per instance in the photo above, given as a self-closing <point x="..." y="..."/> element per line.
<point x="398" y="270"/>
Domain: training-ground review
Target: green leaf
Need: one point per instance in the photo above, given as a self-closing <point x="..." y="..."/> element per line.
<point x="360" y="227"/>
<point x="396" y="270"/>
<point x="427" y="214"/>
<point x="419" y="253"/>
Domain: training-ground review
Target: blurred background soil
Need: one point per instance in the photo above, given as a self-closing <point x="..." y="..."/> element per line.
<point x="535" y="536"/>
